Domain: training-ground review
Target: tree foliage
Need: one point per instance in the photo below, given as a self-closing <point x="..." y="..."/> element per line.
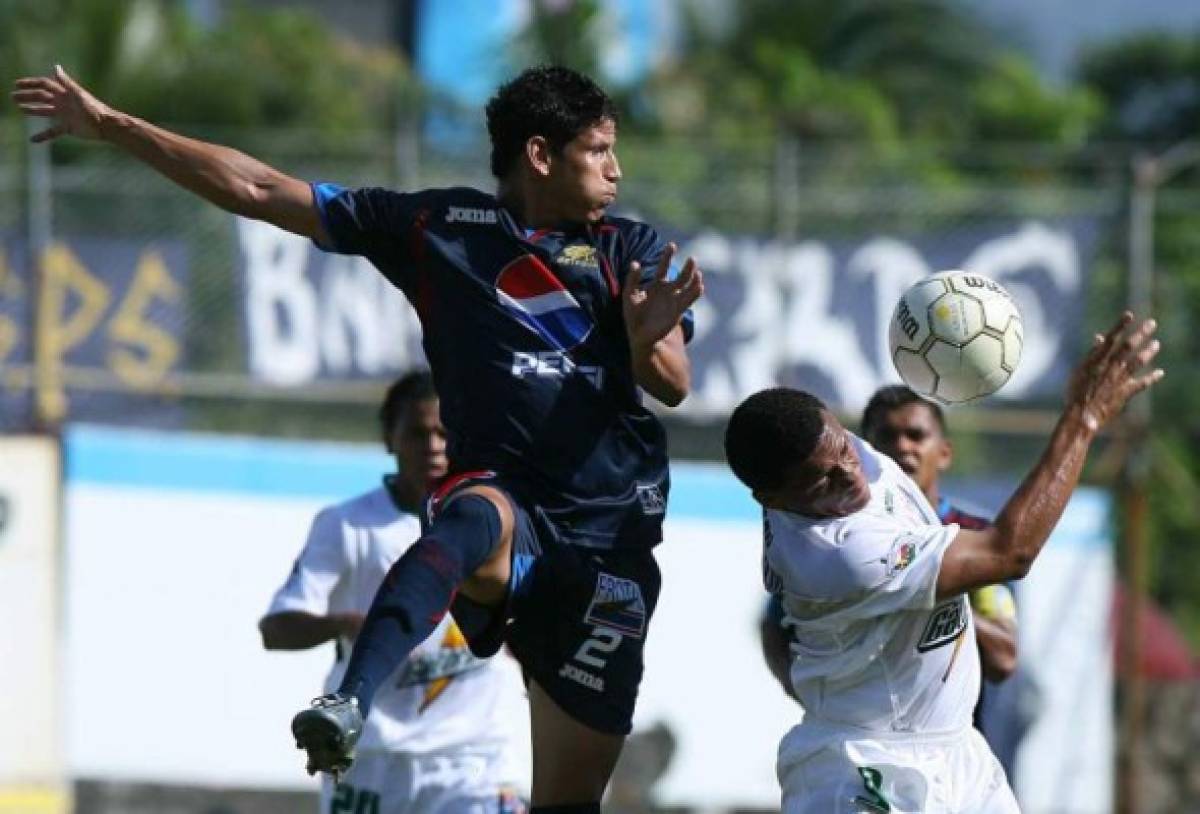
<point x="256" y="68"/>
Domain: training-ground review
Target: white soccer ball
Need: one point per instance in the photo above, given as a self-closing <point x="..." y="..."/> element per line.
<point x="955" y="336"/>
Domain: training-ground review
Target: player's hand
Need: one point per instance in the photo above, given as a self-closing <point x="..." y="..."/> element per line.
<point x="1114" y="370"/>
<point x="653" y="310"/>
<point x="70" y="108"/>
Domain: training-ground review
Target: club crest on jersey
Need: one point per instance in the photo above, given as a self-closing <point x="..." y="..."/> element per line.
<point x="617" y="604"/>
<point x="903" y="552"/>
<point x="465" y="214"/>
<point x="578" y="255"/>
<point x="947" y="621"/>
<point x="529" y="291"/>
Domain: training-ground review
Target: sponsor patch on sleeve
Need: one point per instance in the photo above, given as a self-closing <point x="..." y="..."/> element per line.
<point x="617" y="604"/>
<point x="904" y="552"/>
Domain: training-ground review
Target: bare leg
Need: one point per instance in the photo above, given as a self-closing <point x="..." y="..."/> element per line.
<point x="572" y="763"/>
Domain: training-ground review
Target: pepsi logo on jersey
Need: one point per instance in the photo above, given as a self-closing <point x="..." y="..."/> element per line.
<point x="554" y="364"/>
<point x="531" y="293"/>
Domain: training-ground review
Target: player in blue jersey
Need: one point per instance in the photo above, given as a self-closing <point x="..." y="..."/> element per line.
<point x="544" y="321"/>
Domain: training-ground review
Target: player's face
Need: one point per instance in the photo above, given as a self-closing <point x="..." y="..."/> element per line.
<point x="831" y="482"/>
<point x="418" y="441"/>
<point x="910" y="435"/>
<point x="584" y="177"/>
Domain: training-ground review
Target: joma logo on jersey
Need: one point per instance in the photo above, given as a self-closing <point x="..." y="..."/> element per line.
<point x="947" y="621"/>
<point x="553" y="364"/>
<point x="578" y="256"/>
<point x="463" y="214"/>
<point x="580" y="676"/>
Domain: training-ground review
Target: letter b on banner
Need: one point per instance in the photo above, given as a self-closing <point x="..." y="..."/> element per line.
<point x="281" y="306"/>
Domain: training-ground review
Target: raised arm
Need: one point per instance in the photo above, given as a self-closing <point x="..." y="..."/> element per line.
<point x="1098" y="390"/>
<point x="230" y="179"/>
<point x="652" y="314"/>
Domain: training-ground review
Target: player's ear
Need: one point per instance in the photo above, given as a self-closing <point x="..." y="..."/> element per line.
<point x="537" y="153"/>
<point x="945" y="455"/>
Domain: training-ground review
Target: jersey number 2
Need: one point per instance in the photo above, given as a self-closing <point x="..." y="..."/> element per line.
<point x="604" y="640"/>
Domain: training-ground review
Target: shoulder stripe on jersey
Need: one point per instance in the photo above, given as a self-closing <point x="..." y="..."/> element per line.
<point x="613" y="287"/>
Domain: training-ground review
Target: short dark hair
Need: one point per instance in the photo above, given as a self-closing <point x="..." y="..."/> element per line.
<point x="893" y="397"/>
<point x="770" y="433"/>
<point x="414" y="386"/>
<point x="550" y="101"/>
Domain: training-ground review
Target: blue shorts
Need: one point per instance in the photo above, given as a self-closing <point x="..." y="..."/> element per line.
<point x="576" y="618"/>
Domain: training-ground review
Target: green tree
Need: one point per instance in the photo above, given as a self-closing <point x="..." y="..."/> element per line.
<point x="258" y="68"/>
<point x="1150" y="87"/>
<point x="1151" y="84"/>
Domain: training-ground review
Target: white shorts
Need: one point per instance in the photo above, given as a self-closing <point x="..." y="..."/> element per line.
<point x="826" y="770"/>
<point x="457" y="782"/>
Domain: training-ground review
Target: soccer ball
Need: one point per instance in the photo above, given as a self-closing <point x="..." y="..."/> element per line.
<point x="955" y="336"/>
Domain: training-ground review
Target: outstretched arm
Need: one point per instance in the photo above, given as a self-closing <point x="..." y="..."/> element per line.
<point x="297" y="630"/>
<point x="230" y="179"/>
<point x="1099" y="388"/>
<point x="652" y="315"/>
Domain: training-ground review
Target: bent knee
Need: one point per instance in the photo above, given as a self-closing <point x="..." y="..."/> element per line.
<point x="488" y="582"/>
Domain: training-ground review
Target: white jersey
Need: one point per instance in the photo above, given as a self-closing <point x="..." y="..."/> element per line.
<point x="872" y="648"/>
<point x="441" y="697"/>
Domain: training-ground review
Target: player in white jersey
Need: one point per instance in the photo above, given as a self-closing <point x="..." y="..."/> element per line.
<point x="446" y="732"/>
<point x="874" y="590"/>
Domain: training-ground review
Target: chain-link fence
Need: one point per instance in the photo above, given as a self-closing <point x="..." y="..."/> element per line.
<point x="126" y="300"/>
<point x="140" y="310"/>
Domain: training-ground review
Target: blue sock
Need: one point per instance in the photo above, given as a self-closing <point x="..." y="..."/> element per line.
<point x="417" y="591"/>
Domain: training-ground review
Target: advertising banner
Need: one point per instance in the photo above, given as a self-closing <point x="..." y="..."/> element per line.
<point x="810" y="313"/>
<point x="113" y="307"/>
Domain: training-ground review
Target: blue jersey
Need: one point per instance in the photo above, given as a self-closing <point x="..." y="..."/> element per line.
<point x="526" y="343"/>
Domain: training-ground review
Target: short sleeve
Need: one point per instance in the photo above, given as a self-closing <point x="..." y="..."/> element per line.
<point x="372" y="222"/>
<point x="646" y="248"/>
<point x="869" y="568"/>
<point x="317" y="571"/>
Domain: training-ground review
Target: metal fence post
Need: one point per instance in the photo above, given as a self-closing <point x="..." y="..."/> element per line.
<point x="785" y="187"/>
<point x="39" y="220"/>
<point x="1149" y="173"/>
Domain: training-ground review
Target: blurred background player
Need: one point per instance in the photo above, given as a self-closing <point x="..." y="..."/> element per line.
<point x="546" y="322"/>
<point x="874" y="588"/>
<point x="446" y="727"/>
